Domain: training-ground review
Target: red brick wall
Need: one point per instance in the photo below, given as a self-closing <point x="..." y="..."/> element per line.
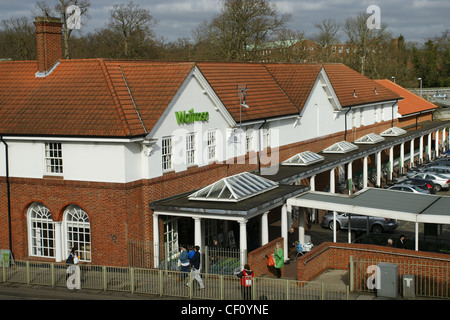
<point x="48" y="41"/>
<point x="257" y="258"/>
<point x="330" y="255"/>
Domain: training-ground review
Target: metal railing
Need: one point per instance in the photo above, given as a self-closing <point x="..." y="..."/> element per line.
<point x="170" y="283"/>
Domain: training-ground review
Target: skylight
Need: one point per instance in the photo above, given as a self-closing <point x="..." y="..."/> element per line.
<point x="340" y="147"/>
<point x="393" y="132"/>
<point x="304" y="159"/>
<point x="370" y="138"/>
<point x="235" y="188"/>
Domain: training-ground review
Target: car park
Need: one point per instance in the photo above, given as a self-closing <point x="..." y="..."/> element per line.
<point x="441" y="182"/>
<point x="440" y="95"/>
<point x="358" y="222"/>
<point x="408" y="188"/>
<point x="419" y="182"/>
<point x="443" y="171"/>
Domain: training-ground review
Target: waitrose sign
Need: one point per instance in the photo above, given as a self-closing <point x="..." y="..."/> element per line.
<point x="191" y="116"/>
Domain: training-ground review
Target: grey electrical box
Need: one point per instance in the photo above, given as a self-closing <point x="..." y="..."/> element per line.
<point x="409" y="286"/>
<point x="388" y="280"/>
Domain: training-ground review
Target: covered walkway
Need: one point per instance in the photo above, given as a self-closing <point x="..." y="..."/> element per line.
<point x="416" y="208"/>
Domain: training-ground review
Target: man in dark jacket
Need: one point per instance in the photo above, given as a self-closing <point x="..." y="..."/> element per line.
<point x="195" y="267"/>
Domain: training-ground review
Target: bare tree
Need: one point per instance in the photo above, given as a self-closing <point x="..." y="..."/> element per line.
<point x="367" y="45"/>
<point x="240" y="29"/>
<point x="135" y="26"/>
<point x="18" y="39"/>
<point x="328" y="35"/>
<point x="62" y="10"/>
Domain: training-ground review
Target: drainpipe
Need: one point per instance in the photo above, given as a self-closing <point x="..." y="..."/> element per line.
<point x="345" y="135"/>
<point x="8" y="192"/>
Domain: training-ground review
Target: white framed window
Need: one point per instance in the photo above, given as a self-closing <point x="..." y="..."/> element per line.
<point x="167" y="153"/>
<point x="53" y="158"/>
<point x="41" y="231"/>
<point x="249" y="139"/>
<point x="265" y="138"/>
<point x="78" y="232"/>
<point x="171" y="237"/>
<point x="211" y="144"/>
<point x="190" y="148"/>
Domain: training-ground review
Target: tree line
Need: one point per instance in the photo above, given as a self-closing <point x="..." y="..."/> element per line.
<point x="242" y="30"/>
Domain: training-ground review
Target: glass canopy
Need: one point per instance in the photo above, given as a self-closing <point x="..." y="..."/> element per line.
<point x="234" y="188"/>
<point x="304" y="159"/>
<point x="393" y="132"/>
<point x="370" y="138"/>
<point x="340" y="147"/>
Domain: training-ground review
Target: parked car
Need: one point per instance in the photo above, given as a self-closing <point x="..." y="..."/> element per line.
<point x="359" y="222"/>
<point x="441" y="182"/>
<point x="445" y="162"/>
<point x="419" y="182"/>
<point x="440" y="95"/>
<point x="408" y="188"/>
<point x="443" y="171"/>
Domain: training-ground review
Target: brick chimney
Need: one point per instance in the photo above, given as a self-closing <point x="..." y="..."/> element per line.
<point x="49" y="42"/>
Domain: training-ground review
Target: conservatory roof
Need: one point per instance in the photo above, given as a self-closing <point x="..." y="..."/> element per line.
<point x="393" y="132"/>
<point x="304" y="159"/>
<point x="340" y="147"/>
<point x="234" y="188"/>
<point x="370" y="138"/>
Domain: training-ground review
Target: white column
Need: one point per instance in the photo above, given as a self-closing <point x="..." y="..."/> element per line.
<point x="365" y="172"/>
<point x="301" y="226"/>
<point x="243" y="241"/>
<point x="350" y="177"/>
<point x="417" y="237"/>
<point x="334" y="226"/>
<point x="391" y="163"/>
<point x="378" y="155"/>
<point x="429" y="147"/>
<point x="444" y="147"/>
<point x="155" y="240"/>
<point x="437" y="143"/>
<point x="421" y="150"/>
<point x="312" y="185"/>
<point x="198" y="232"/>
<point x="332" y="181"/>
<point x="264" y="228"/>
<point x="411" y="151"/>
<point x="402" y="158"/>
<point x="284" y="230"/>
<point x="58" y="242"/>
<point x="349" y="228"/>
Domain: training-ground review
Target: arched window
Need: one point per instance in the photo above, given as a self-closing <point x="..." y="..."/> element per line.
<point x="41" y="231"/>
<point x="78" y="232"/>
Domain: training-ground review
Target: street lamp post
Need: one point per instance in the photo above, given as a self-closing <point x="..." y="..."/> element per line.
<point x="420" y="79"/>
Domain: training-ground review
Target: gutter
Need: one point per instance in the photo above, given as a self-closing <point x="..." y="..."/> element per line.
<point x="8" y="186"/>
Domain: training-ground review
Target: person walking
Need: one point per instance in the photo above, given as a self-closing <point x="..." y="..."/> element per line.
<point x="195" y="268"/>
<point x="184" y="263"/>
<point x="279" y="259"/>
<point x="246" y="277"/>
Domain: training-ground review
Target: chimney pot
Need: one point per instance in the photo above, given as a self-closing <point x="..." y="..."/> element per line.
<point x="49" y="42"/>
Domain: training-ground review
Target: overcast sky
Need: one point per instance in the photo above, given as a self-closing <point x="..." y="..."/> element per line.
<point x="416" y="20"/>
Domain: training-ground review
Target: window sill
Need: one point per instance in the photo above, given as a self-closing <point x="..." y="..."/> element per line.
<point x="56" y="177"/>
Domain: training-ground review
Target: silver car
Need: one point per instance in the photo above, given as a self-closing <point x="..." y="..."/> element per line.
<point x="439" y="180"/>
<point x="359" y="222"/>
<point x="408" y="188"/>
<point x="443" y="171"/>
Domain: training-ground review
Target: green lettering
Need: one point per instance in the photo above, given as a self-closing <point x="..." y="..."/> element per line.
<point x="190" y="116"/>
<point x="180" y="115"/>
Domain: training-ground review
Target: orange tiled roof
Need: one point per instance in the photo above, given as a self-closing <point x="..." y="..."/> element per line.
<point x="344" y="80"/>
<point x="297" y="80"/>
<point x="411" y="103"/>
<point x="86" y="97"/>
<point x="264" y="96"/>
